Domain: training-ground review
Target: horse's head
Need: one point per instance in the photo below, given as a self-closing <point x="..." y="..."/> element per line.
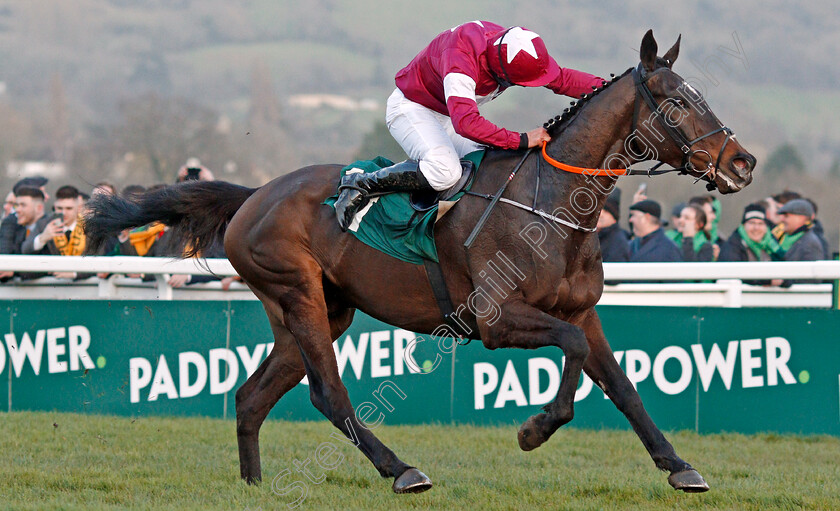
<point x="677" y="127"/>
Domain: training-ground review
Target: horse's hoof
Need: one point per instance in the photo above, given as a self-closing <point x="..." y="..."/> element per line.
<point x="689" y="481"/>
<point x="252" y="479"/>
<point x="530" y="434"/>
<point x="412" y="481"/>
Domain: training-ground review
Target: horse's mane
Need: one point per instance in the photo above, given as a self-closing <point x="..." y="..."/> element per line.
<point x="557" y="124"/>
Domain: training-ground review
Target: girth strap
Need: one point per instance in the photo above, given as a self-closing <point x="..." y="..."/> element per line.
<point x="435" y="274"/>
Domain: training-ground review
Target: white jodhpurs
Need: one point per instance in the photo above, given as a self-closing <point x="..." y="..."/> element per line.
<point x="429" y="138"/>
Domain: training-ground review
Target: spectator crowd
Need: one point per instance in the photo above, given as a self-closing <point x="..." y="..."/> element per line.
<point x="783" y="227"/>
<point x="29" y="227"/>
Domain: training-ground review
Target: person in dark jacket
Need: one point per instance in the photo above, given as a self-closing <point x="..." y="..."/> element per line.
<point x="780" y="199"/>
<point x="673" y="232"/>
<point x="752" y="241"/>
<point x="799" y="241"/>
<point x="615" y="244"/>
<point x="12" y="233"/>
<point x="694" y="244"/>
<point x="9" y="227"/>
<point x="819" y="230"/>
<point x="650" y="244"/>
<point x="29" y="208"/>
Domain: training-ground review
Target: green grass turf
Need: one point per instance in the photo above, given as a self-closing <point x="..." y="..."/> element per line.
<point x="98" y="462"/>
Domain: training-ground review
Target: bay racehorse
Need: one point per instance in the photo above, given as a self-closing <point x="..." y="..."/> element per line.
<point x="311" y="277"/>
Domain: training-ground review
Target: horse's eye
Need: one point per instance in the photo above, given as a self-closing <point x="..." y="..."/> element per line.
<point x="680" y="102"/>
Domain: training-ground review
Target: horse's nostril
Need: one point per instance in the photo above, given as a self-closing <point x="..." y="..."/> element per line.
<point x="743" y="162"/>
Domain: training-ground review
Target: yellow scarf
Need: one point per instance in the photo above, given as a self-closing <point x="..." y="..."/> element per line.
<point x="75" y="246"/>
<point x="143" y="238"/>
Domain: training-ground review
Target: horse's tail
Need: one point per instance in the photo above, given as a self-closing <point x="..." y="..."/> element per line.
<point x="197" y="213"/>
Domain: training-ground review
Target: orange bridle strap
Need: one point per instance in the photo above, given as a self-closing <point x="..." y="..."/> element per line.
<point x="582" y="170"/>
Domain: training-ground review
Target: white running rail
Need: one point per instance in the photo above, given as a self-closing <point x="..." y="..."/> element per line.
<point x="726" y="290"/>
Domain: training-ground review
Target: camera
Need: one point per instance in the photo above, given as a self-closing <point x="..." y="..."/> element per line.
<point x="192" y="174"/>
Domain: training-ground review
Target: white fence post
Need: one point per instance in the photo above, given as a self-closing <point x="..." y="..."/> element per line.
<point x="163" y="287"/>
<point x="107" y="287"/>
<point x="734" y="296"/>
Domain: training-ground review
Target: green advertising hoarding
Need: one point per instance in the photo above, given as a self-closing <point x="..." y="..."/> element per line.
<point x="704" y="369"/>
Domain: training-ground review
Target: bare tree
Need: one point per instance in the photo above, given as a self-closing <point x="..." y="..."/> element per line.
<point x="16" y="133"/>
<point x="265" y="108"/>
<point x="161" y="134"/>
<point x="57" y="124"/>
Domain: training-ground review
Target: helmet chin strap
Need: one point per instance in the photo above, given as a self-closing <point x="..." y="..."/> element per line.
<point x="504" y="82"/>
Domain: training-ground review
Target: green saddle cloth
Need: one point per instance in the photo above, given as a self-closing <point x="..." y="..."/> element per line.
<point x="389" y="223"/>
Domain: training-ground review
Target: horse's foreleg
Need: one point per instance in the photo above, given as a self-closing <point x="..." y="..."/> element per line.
<point x="522" y="326"/>
<point x="602" y="367"/>
<point x="276" y="375"/>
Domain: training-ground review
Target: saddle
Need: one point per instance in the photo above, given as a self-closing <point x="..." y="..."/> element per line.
<point x="423" y="201"/>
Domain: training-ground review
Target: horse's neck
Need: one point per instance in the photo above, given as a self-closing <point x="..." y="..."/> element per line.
<point x="596" y="134"/>
<point x="599" y="129"/>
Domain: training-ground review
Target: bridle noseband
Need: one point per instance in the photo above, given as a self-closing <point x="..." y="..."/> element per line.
<point x="640" y="78"/>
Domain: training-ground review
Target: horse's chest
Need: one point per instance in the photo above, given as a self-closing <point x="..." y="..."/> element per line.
<point x="582" y="282"/>
<point x="578" y="292"/>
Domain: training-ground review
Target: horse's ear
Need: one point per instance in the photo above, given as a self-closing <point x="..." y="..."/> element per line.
<point x="647" y="53"/>
<point x="672" y="54"/>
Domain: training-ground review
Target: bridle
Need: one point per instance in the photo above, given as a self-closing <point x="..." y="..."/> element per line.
<point x="640" y="78"/>
<point x="643" y="94"/>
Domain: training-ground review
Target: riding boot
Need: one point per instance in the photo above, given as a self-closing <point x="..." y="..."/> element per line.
<point x="357" y="188"/>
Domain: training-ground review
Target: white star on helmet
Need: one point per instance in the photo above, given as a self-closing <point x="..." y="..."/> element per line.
<point x="518" y="39"/>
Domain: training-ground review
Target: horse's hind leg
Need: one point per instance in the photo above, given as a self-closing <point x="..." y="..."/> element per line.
<point x="306" y="317"/>
<point x="281" y="371"/>
<point x="602" y="367"/>
<point x="276" y="375"/>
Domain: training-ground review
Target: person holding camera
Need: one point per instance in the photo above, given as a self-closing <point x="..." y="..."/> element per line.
<point x="61" y="234"/>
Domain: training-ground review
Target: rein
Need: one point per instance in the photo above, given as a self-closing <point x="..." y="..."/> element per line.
<point x="653" y="171"/>
<point x="493" y="200"/>
<point x="497" y="197"/>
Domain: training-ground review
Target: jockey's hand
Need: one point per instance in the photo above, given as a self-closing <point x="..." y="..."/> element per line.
<point x="537" y="136"/>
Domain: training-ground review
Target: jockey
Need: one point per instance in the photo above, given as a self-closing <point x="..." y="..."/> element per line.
<point x="433" y="113"/>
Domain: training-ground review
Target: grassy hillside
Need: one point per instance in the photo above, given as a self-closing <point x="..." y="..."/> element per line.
<point x="354" y="47"/>
<point x="69" y="67"/>
<point x="67" y="461"/>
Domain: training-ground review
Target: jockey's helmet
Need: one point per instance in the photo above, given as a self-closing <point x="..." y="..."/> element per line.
<point x="519" y="57"/>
